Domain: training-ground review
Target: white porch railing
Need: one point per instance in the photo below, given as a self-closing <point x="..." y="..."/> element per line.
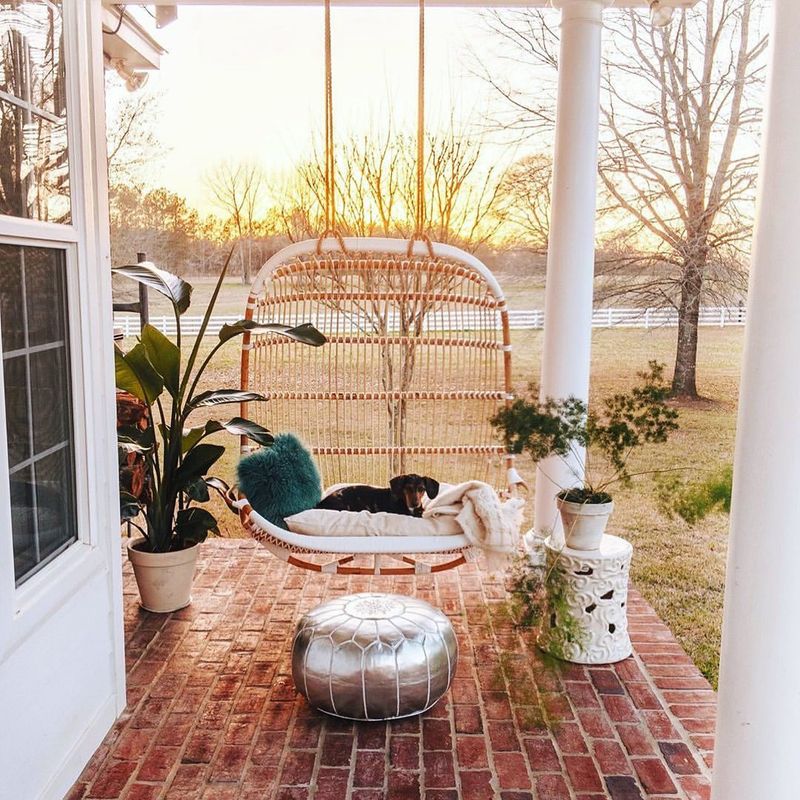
<point x="718" y="316"/>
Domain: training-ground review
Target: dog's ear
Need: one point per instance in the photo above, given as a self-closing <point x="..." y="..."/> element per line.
<point x="431" y="487"/>
<point x="396" y="485"/>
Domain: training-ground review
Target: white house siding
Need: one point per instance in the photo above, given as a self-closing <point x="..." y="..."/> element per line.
<point x="58" y="695"/>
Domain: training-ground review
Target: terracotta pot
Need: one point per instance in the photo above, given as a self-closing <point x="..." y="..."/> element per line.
<point x="164" y="579"/>
<point x="584" y="523"/>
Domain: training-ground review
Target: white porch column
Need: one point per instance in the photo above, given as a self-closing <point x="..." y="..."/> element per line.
<point x="758" y="723"/>
<point x="570" y="257"/>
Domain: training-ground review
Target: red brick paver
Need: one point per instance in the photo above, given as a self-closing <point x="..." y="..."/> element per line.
<point x="213" y="714"/>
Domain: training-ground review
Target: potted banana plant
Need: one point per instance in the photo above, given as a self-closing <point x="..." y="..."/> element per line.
<point x="625" y="422"/>
<point x="166" y="506"/>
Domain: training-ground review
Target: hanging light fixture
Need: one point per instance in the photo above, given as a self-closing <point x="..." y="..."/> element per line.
<point x="134" y="79"/>
<point x="660" y="15"/>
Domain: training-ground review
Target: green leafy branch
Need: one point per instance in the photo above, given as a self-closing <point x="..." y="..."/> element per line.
<point x="540" y="596"/>
<point x="696" y="500"/>
<point x="626" y="422"/>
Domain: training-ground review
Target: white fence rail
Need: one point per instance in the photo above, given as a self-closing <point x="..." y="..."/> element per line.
<point x="717" y="316"/>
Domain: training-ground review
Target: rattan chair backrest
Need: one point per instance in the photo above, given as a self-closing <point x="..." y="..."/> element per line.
<point x="417" y="360"/>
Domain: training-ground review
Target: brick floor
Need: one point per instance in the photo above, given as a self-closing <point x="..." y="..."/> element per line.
<point x="212" y="713"/>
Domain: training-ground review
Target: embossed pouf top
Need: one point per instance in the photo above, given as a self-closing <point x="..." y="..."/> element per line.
<point x="586" y="620"/>
<point x="374" y="656"/>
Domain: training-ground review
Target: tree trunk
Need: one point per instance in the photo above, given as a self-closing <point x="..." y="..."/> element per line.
<point x="245" y="260"/>
<point x="684" y="380"/>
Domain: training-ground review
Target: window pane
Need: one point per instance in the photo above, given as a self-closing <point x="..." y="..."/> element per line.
<point x="44" y="293"/>
<point x="23" y="524"/>
<point x="15" y="378"/>
<point x="11" y="298"/>
<point x="32" y="67"/>
<point x="34" y="170"/>
<point x="37" y="393"/>
<point x="49" y="402"/>
<point x="34" y="181"/>
<point x="54" y="497"/>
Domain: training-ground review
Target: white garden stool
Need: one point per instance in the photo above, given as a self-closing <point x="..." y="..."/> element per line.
<point x="586" y="613"/>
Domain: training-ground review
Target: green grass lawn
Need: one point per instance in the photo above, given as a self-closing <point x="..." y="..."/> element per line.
<point x="679" y="569"/>
<point x="231" y="300"/>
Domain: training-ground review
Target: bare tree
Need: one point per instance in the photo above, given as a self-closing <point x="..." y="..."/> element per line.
<point x="525" y="200"/>
<point x="680" y="110"/>
<point x="462" y="197"/>
<point x="296" y="208"/>
<point x="376" y="186"/>
<point x="528" y="37"/>
<point x="376" y="190"/>
<point x="238" y="189"/>
<point x="157" y="222"/>
<point x="131" y="140"/>
<point x="382" y="171"/>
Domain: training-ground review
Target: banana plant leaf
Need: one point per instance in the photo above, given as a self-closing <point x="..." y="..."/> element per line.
<point x="192" y="525"/>
<point x="191" y="436"/>
<point x="132" y="447"/>
<point x="135" y="374"/>
<point x="171" y="286"/>
<point x="129" y="434"/>
<point x="197" y="490"/>
<point x="238" y="426"/>
<point x="129" y="506"/>
<point x="218" y="397"/>
<point x="305" y="333"/>
<point x="164" y="356"/>
<point x="197" y="462"/>
<point x="218" y="484"/>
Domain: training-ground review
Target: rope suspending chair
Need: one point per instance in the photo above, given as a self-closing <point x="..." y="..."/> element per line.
<point x="418" y="359"/>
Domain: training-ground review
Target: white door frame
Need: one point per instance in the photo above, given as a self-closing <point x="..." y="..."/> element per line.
<point x="92" y="564"/>
<point x="86" y="246"/>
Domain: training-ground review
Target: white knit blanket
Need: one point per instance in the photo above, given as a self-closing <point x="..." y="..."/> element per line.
<point x="491" y="525"/>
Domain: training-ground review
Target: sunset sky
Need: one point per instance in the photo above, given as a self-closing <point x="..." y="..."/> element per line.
<point x="246" y="83"/>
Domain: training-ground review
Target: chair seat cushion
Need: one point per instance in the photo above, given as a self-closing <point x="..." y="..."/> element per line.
<point x="280" y="480"/>
<point x="325" y="522"/>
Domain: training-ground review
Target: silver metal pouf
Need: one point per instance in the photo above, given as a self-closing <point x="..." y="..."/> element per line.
<point x="374" y="656"/>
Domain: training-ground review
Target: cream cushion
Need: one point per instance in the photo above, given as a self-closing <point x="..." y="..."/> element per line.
<point x="325" y="522"/>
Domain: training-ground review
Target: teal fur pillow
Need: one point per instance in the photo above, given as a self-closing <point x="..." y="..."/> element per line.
<point x="280" y="480"/>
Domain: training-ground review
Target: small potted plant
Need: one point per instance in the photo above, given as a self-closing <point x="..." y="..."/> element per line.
<point x="625" y="422"/>
<point x="164" y="460"/>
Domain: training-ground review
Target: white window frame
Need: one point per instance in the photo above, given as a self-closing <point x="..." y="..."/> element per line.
<point x="38" y="583"/>
<point x="77" y="401"/>
<point x="85" y="244"/>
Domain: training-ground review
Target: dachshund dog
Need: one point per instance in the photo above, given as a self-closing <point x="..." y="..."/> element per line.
<point x="404" y="496"/>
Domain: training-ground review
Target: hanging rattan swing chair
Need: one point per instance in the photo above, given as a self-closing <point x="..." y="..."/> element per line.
<point x="418" y="359"/>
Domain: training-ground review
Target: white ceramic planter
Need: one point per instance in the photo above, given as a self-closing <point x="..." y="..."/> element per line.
<point x="164" y="579"/>
<point x="584" y="523"/>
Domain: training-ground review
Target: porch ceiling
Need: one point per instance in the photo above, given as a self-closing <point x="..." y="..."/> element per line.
<point x="131" y="43"/>
<point x="399" y="3"/>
